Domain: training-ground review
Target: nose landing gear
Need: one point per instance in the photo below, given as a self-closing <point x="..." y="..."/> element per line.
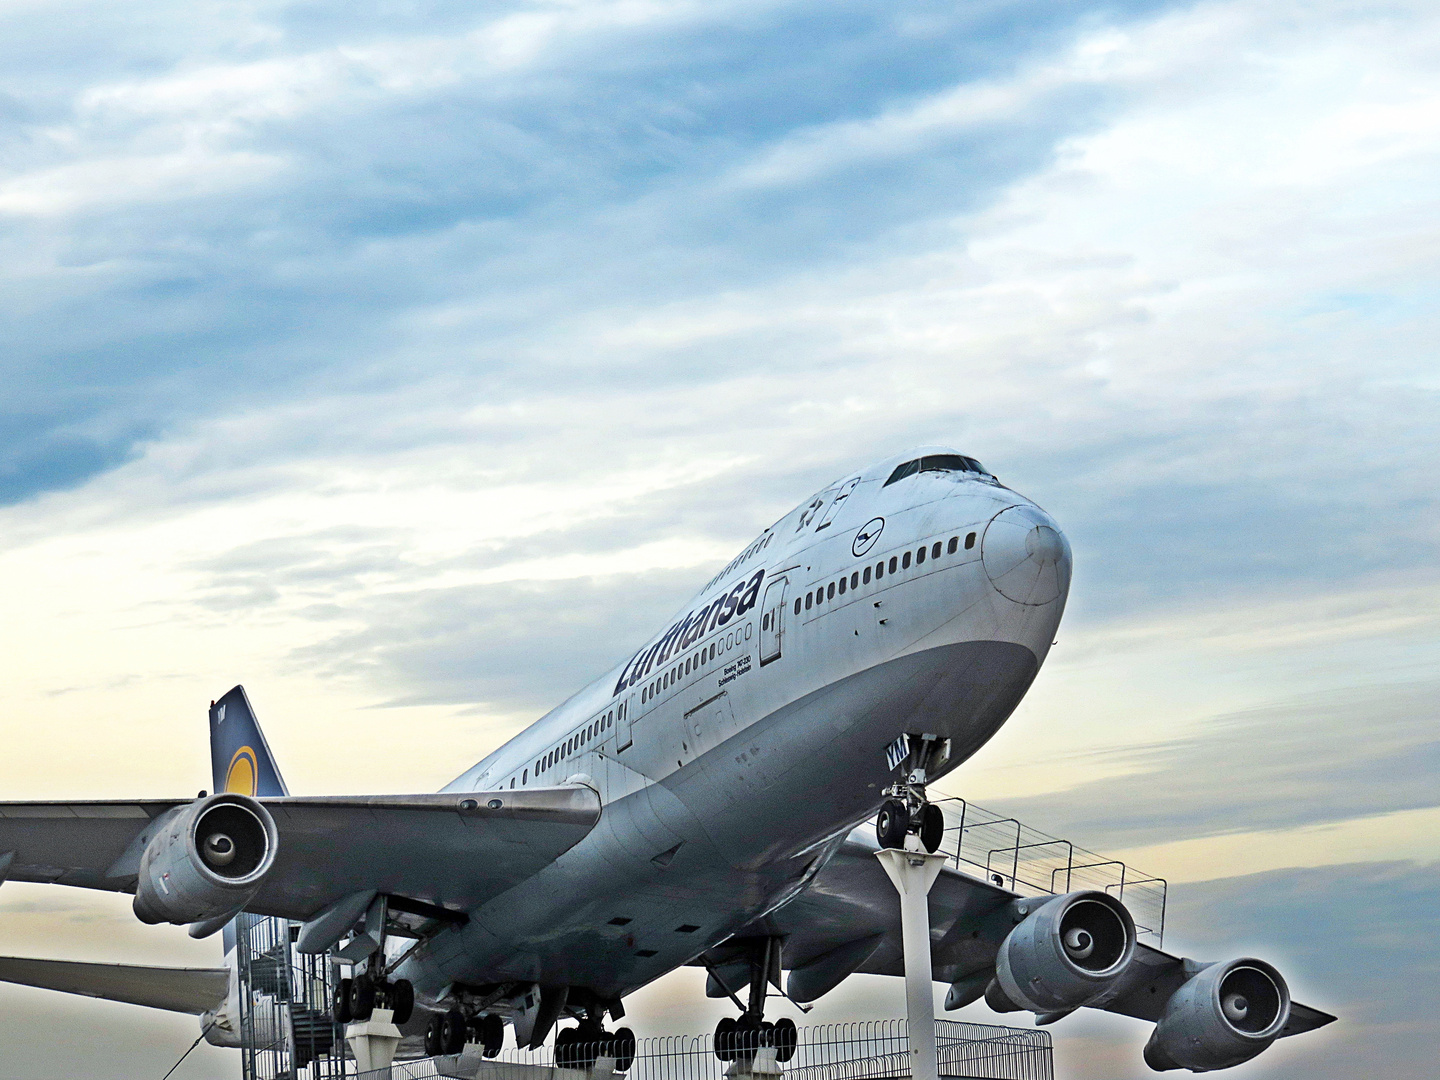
<point x="907" y="811"/>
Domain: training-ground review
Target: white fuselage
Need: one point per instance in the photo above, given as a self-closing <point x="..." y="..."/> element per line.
<point x="753" y="726"/>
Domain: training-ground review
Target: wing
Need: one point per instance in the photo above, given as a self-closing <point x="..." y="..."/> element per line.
<point x="186" y="990"/>
<point x="452" y="850"/>
<point x="848" y="920"/>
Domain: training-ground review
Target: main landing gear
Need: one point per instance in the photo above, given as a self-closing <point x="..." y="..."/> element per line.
<point x="751" y="1032"/>
<point x="580" y="1047"/>
<point x="448" y="1032"/>
<point x="358" y="997"/>
<point x="906" y="811"/>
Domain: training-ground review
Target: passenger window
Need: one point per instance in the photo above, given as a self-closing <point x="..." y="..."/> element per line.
<point x="842" y="586"/>
<point x="715" y="644"/>
<point x="855" y="580"/>
<point x="893" y="562"/>
<point x="809" y="600"/>
<point x="920" y="555"/>
<point x="867" y="575"/>
<point x="904" y="563"/>
<point x="880" y="569"/>
<point x="525" y="777"/>
<point x="969" y="541"/>
<point x="797" y="608"/>
<point x="954" y="543"/>
<point x="830" y="592"/>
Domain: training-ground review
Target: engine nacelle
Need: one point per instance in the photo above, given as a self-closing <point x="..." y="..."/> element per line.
<point x="207" y="860"/>
<point x="1066" y="953"/>
<point x="1221" y="1017"/>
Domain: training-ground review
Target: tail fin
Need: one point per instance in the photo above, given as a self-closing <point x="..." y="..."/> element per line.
<point x="240" y="758"/>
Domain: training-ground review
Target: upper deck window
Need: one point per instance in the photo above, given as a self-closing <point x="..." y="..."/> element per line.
<point x="936" y="463"/>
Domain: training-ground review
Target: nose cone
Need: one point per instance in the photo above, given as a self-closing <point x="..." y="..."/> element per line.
<point x="1025" y="556"/>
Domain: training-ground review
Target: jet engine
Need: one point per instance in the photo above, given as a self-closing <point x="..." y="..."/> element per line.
<point x="1220" y="1017"/>
<point x="206" y="861"/>
<point x="1066" y="953"/>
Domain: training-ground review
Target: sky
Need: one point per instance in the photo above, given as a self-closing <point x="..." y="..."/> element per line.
<point x="410" y="362"/>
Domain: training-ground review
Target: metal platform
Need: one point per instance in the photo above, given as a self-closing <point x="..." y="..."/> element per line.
<point x="872" y="1050"/>
<point x="1014" y="856"/>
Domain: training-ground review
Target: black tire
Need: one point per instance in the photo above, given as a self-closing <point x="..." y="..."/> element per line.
<point x="362" y="998"/>
<point x="434" y="1038"/>
<point x="785" y="1039"/>
<point x="587" y="1047"/>
<point x="749" y="1033"/>
<point x="725" y="1039"/>
<point x="623" y="1045"/>
<point x="492" y="1035"/>
<point x="402" y="1001"/>
<point x="932" y="827"/>
<point x="340" y="1010"/>
<point x="892" y="823"/>
<point x="453" y="1032"/>
<point x="565" y="1049"/>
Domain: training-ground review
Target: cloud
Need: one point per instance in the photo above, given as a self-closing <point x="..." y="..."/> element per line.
<point x="1308" y="760"/>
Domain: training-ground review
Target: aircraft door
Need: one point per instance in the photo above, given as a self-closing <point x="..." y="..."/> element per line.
<point x="623" y="738"/>
<point x="772" y="620"/>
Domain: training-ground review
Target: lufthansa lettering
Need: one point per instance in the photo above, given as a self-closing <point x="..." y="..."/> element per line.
<point x="729" y="605"/>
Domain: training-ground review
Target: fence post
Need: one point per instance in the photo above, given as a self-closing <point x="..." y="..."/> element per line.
<point x="912" y="873"/>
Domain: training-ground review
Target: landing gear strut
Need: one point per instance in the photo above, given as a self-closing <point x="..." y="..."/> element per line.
<point x="745" y="1036"/>
<point x="907" y="811"/>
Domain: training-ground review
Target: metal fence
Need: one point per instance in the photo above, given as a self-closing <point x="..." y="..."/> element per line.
<point x="1014" y="856"/>
<point x="285" y="1019"/>
<point x="870" y="1050"/>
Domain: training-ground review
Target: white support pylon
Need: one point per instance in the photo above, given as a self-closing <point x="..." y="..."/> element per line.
<point x="373" y="1041"/>
<point x="913" y="873"/>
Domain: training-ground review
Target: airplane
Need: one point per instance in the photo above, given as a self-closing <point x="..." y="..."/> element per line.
<point x="704" y="802"/>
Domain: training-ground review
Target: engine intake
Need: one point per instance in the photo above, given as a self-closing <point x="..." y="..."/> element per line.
<point x="1220" y="1017"/>
<point x="1065" y="954"/>
<point x="206" y="861"/>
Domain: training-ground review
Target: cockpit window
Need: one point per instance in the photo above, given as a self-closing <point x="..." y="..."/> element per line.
<point x="936" y="463"/>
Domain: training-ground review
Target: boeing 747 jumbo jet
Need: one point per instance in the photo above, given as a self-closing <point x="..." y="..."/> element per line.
<point x="697" y="803"/>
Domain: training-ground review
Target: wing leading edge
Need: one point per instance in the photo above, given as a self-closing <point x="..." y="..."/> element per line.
<point x="452" y="850"/>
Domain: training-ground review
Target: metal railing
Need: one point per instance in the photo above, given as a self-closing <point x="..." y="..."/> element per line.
<point x="287" y="1030"/>
<point x="870" y="1050"/>
<point x="1014" y="856"/>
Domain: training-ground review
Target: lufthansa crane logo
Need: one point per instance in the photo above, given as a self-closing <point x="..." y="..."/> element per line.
<point x="240" y="777"/>
<point x="866" y="537"/>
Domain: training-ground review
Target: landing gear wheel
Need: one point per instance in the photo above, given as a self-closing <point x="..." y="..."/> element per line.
<point x="749" y="1031"/>
<point x="341" y="1009"/>
<point x="785" y="1039"/>
<point x="568" y="1051"/>
<point x="492" y="1034"/>
<point x="892" y="823"/>
<point x="402" y="1001"/>
<point x="362" y="998"/>
<point x="932" y="827"/>
<point x="725" y="1039"/>
<point x="622" y="1047"/>
<point x="434" y="1038"/>
<point x="453" y="1030"/>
